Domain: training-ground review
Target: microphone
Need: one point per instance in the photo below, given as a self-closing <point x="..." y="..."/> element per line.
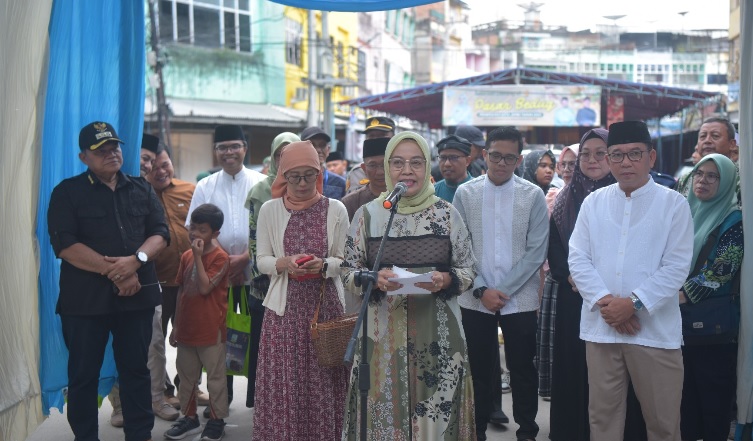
<point x="394" y="197"/>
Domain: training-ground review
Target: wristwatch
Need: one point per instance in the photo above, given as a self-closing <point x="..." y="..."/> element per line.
<point x="479" y="292"/>
<point x="325" y="265"/>
<point x="637" y="304"/>
<point x="142" y="257"/>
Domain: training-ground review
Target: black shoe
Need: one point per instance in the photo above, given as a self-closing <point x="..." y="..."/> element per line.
<point x="498" y="417"/>
<point x="183" y="427"/>
<point x="207" y="412"/>
<point x="213" y="431"/>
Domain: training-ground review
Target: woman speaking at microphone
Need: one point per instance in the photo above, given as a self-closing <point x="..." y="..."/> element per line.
<point x="420" y="385"/>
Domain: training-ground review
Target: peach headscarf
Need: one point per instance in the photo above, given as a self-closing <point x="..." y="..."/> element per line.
<point x="297" y="154"/>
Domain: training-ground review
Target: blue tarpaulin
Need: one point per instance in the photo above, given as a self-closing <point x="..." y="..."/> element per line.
<point x="96" y="72"/>
<point x="353" y="6"/>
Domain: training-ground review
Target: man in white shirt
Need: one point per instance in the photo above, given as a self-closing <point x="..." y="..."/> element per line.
<point x="509" y="226"/>
<point x="228" y="190"/>
<point x="630" y="253"/>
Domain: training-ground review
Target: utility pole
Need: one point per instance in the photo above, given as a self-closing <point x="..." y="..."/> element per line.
<point x="326" y="57"/>
<point x="163" y="115"/>
<point x="311" y="116"/>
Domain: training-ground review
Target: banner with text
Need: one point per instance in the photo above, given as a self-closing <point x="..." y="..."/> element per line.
<point x="523" y="105"/>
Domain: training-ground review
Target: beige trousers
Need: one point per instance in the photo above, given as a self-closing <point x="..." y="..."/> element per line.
<point x="657" y="376"/>
<point x="189" y="362"/>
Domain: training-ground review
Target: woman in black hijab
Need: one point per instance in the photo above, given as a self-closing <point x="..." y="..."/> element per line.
<point x="569" y="389"/>
<point x="538" y="168"/>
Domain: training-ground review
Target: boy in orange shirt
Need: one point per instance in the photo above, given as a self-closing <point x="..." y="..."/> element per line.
<point x="200" y="327"/>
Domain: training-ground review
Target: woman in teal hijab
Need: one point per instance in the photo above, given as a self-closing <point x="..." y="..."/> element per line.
<point x="710" y="365"/>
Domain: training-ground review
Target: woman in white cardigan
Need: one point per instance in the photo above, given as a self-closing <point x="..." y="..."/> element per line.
<point x="295" y="397"/>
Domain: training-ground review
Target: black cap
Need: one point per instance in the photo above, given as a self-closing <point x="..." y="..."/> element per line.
<point x="310" y="132"/>
<point x="228" y="132"/>
<point x="93" y="135"/>
<point x="380" y="123"/>
<point x="375" y="147"/>
<point x="473" y="134"/>
<point x="334" y="156"/>
<point x="150" y="142"/>
<point x="627" y="132"/>
<point x="454" y="142"/>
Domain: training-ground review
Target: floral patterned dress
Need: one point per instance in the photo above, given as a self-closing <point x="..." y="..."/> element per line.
<point x="421" y="386"/>
<point x="296" y="399"/>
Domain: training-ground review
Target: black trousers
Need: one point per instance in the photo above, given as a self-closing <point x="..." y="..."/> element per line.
<point x="86" y="338"/>
<point x="481" y="338"/>
<point x="708" y="389"/>
<point x="519" y="330"/>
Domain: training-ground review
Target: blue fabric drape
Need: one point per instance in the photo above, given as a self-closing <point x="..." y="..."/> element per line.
<point x="96" y="72"/>
<point x="353" y="5"/>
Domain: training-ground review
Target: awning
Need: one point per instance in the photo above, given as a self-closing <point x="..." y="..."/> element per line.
<point x="224" y="112"/>
<point x="642" y="101"/>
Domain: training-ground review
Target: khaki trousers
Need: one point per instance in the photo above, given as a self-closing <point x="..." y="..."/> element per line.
<point x="157" y="362"/>
<point x="189" y="362"/>
<point x="657" y="376"/>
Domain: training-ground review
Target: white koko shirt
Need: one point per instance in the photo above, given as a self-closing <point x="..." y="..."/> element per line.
<point x="229" y="194"/>
<point x="640" y="244"/>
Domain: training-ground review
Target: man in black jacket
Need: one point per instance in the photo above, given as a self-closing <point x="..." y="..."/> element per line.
<point x="107" y="228"/>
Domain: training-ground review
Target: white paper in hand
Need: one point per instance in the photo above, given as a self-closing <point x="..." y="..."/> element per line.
<point x="407" y="279"/>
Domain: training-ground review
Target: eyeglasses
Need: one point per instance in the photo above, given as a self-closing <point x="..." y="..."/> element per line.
<point x="296" y="179"/>
<point x="496" y="157"/>
<point x="633" y="156"/>
<point x="399" y="164"/>
<point x="229" y="148"/>
<point x="451" y="158"/>
<point x="566" y="165"/>
<point x="598" y="156"/>
<point x="710" y="177"/>
<point x="374" y="165"/>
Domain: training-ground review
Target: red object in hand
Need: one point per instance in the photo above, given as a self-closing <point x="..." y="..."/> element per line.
<point x="303" y="260"/>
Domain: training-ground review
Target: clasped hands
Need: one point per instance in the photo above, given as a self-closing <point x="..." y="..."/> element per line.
<point x="122" y="271"/>
<point x="439" y="281"/>
<point x="619" y="313"/>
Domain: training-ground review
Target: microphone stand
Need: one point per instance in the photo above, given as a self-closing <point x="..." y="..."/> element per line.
<point x="366" y="280"/>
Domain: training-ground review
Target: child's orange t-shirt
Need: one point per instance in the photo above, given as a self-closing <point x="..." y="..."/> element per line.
<point x="198" y="317"/>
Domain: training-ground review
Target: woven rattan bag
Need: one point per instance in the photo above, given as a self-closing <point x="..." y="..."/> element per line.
<point x="331" y="337"/>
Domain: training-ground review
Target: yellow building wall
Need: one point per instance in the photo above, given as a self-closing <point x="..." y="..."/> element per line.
<point x="343" y="28"/>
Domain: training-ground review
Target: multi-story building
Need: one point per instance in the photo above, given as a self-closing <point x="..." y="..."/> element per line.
<point x="733" y="73"/>
<point x="222" y="63"/>
<point x="442" y="38"/>
<point x="337" y="58"/>
<point x="385" y="41"/>
<point x="695" y="60"/>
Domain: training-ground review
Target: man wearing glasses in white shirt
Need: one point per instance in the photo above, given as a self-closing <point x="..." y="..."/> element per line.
<point x="630" y="253"/>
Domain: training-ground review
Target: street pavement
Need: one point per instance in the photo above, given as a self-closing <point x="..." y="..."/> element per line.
<point x="240" y="421"/>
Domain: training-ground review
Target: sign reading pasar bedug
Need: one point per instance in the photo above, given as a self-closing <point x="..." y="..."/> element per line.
<point x="529" y="105"/>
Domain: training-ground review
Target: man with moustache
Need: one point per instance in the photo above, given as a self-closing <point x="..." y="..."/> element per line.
<point x="454" y="159"/>
<point x="228" y="189"/>
<point x="107" y="228"/>
<point x="628" y="265"/>
<point x="717" y="135"/>
<point x="376" y="127"/>
<point x="373" y="167"/>
<point x="175" y="196"/>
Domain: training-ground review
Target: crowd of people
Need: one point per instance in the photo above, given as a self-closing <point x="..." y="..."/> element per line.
<point x="618" y="298"/>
